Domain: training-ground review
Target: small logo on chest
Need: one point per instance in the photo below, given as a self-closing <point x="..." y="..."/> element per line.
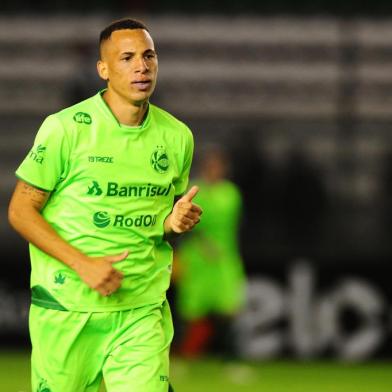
<point x="82" y="118"/>
<point x="99" y="159"/>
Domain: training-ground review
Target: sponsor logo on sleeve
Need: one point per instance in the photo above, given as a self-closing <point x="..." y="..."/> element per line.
<point x="37" y="154"/>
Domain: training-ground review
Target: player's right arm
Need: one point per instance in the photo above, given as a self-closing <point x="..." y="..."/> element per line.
<point x="25" y="217"/>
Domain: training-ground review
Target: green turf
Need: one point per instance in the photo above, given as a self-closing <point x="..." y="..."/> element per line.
<point x="213" y="376"/>
<point x="282" y="376"/>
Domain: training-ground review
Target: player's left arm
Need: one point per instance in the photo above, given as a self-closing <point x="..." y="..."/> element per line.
<point x="185" y="214"/>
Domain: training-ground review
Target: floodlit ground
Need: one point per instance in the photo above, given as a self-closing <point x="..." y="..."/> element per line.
<point x="213" y="376"/>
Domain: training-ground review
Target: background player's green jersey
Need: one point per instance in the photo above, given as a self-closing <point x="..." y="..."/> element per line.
<point x="212" y="278"/>
<point x="112" y="187"/>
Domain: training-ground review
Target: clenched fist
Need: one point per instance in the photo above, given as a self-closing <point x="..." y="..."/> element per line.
<point x="185" y="214"/>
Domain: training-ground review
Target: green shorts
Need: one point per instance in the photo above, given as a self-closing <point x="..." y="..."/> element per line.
<point x="73" y="351"/>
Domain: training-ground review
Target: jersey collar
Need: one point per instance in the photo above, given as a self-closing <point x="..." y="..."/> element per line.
<point x="111" y="117"/>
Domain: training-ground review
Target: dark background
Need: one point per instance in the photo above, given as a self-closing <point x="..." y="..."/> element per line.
<point x="268" y="7"/>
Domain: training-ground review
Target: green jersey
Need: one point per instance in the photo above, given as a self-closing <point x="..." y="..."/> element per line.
<point x="212" y="278"/>
<point x="112" y="187"/>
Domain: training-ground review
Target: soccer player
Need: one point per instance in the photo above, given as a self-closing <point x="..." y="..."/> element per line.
<point x="96" y="200"/>
<point x="210" y="274"/>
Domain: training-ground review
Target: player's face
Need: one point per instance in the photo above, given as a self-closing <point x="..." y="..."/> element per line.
<point x="130" y="65"/>
<point x="214" y="166"/>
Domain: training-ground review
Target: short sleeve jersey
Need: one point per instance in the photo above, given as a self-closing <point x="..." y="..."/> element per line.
<point x="111" y="188"/>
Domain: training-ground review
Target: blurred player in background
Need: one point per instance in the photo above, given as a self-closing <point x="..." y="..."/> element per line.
<point x="209" y="271"/>
<point x="95" y="200"/>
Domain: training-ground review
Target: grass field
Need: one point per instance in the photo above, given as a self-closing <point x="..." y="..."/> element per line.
<point x="212" y="376"/>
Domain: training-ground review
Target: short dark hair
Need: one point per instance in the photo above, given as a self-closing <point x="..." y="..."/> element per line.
<point x="122" y="24"/>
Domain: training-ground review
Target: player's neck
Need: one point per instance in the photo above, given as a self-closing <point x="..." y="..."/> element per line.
<point x="126" y="113"/>
<point x="211" y="179"/>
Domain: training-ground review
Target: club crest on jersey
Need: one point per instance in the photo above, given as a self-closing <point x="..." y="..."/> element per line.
<point x="159" y="160"/>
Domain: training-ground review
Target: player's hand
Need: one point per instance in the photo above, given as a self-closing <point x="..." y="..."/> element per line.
<point x="185" y="214"/>
<point x="99" y="273"/>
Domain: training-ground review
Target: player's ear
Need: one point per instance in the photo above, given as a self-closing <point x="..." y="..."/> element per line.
<point x="102" y="70"/>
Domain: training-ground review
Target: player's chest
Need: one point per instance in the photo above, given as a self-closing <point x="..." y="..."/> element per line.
<point x="152" y="159"/>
